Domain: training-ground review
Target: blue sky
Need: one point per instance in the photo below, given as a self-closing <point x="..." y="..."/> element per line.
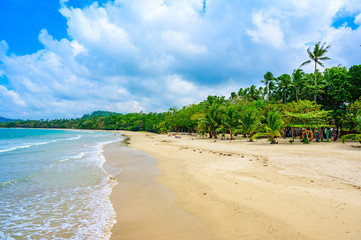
<point x="66" y="58"/>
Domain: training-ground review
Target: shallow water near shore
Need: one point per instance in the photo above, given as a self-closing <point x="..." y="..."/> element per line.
<point x="53" y="185"/>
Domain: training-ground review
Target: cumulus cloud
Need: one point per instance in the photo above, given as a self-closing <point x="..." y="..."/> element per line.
<point x="12" y="96"/>
<point x="3" y="48"/>
<point x="149" y="55"/>
<point x="268" y="31"/>
<point x="179" y="41"/>
<point x="348" y="54"/>
<point x="358" y="19"/>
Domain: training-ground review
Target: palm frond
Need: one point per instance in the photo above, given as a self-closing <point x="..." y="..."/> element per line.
<point x="310" y="53"/>
<point x="321" y="64"/>
<point x="259" y="135"/>
<point x="355" y="137"/>
<point x="305" y="63"/>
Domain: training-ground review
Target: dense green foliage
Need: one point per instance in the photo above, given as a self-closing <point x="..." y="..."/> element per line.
<point x="286" y="102"/>
<point x="354" y="136"/>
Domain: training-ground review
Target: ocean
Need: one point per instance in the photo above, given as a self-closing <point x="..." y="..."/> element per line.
<point x="53" y="184"/>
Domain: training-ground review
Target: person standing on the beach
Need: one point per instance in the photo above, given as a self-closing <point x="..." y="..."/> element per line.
<point x="328" y="135"/>
<point x="320" y="134"/>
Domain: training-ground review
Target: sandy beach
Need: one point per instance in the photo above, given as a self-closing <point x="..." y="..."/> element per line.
<point x="197" y="188"/>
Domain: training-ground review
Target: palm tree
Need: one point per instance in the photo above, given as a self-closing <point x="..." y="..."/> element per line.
<point x="297" y="81"/>
<point x="273" y="127"/>
<point x="230" y="119"/>
<point x="284" y="82"/>
<point x="233" y="96"/>
<point x="249" y="122"/>
<point x="317" y="55"/>
<point x="242" y="92"/>
<point x="213" y="119"/>
<point x="268" y="77"/>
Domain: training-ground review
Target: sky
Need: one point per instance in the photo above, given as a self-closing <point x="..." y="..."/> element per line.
<point x="62" y="59"/>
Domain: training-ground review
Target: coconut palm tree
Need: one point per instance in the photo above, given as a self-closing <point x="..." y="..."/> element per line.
<point x="297" y="81"/>
<point x="249" y="122"/>
<point x="252" y="93"/>
<point x="268" y="77"/>
<point x="213" y="119"/>
<point x="317" y="55"/>
<point x="230" y="119"/>
<point x="273" y="127"/>
<point x="242" y="92"/>
<point x="284" y="82"/>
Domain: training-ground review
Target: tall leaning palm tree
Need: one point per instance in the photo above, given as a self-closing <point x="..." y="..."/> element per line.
<point x="317" y="55"/>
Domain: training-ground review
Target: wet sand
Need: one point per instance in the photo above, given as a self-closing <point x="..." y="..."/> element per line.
<point x="146" y="209"/>
<point x="242" y="190"/>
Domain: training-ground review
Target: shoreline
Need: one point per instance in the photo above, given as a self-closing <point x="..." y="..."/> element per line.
<point x="144" y="208"/>
<point x="243" y="190"/>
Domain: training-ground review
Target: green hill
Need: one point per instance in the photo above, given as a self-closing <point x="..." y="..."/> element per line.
<point x="3" y="119"/>
<point x="96" y="114"/>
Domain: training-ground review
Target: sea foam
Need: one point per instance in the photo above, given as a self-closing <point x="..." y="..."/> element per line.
<point x="62" y="192"/>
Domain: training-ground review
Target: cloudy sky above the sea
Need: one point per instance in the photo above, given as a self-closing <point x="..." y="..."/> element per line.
<point x="66" y="58"/>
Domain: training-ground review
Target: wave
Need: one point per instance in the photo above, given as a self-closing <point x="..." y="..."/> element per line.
<point x="2" y="184"/>
<point x="24" y="146"/>
<point x="38" y="144"/>
<point x="72" y="138"/>
<point x="76" y="156"/>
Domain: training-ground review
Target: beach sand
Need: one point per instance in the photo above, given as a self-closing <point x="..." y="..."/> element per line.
<point x="237" y="190"/>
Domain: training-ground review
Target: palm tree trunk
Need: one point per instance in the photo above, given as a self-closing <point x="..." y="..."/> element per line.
<point x="285" y="97"/>
<point x="250" y="137"/>
<point x="215" y="134"/>
<point x="267" y="93"/>
<point x="315" y="78"/>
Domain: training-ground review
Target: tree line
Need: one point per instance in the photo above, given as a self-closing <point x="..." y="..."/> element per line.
<point x="283" y="106"/>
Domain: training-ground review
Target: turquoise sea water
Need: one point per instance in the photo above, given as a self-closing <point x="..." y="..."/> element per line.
<point x="53" y="185"/>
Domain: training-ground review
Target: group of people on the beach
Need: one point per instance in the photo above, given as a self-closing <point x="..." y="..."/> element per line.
<point x="319" y="134"/>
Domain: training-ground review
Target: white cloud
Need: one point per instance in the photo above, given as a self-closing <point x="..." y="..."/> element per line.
<point x="3" y="48"/>
<point x="129" y="106"/>
<point x="10" y="96"/>
<point x="358" y="19"/>
<point x="179" y="41"/>
<point x="341" y="53"/>
<point x="268" y="30"/>
<point x="123" y="91"/>
<point x="91" y="26"/>
<point x="78" y="48"/>
<point x="176" y="85"/>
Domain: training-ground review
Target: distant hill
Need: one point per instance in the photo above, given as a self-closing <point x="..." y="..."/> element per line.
<point x="100" y="114"/>
<point x="3" y="119"/>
